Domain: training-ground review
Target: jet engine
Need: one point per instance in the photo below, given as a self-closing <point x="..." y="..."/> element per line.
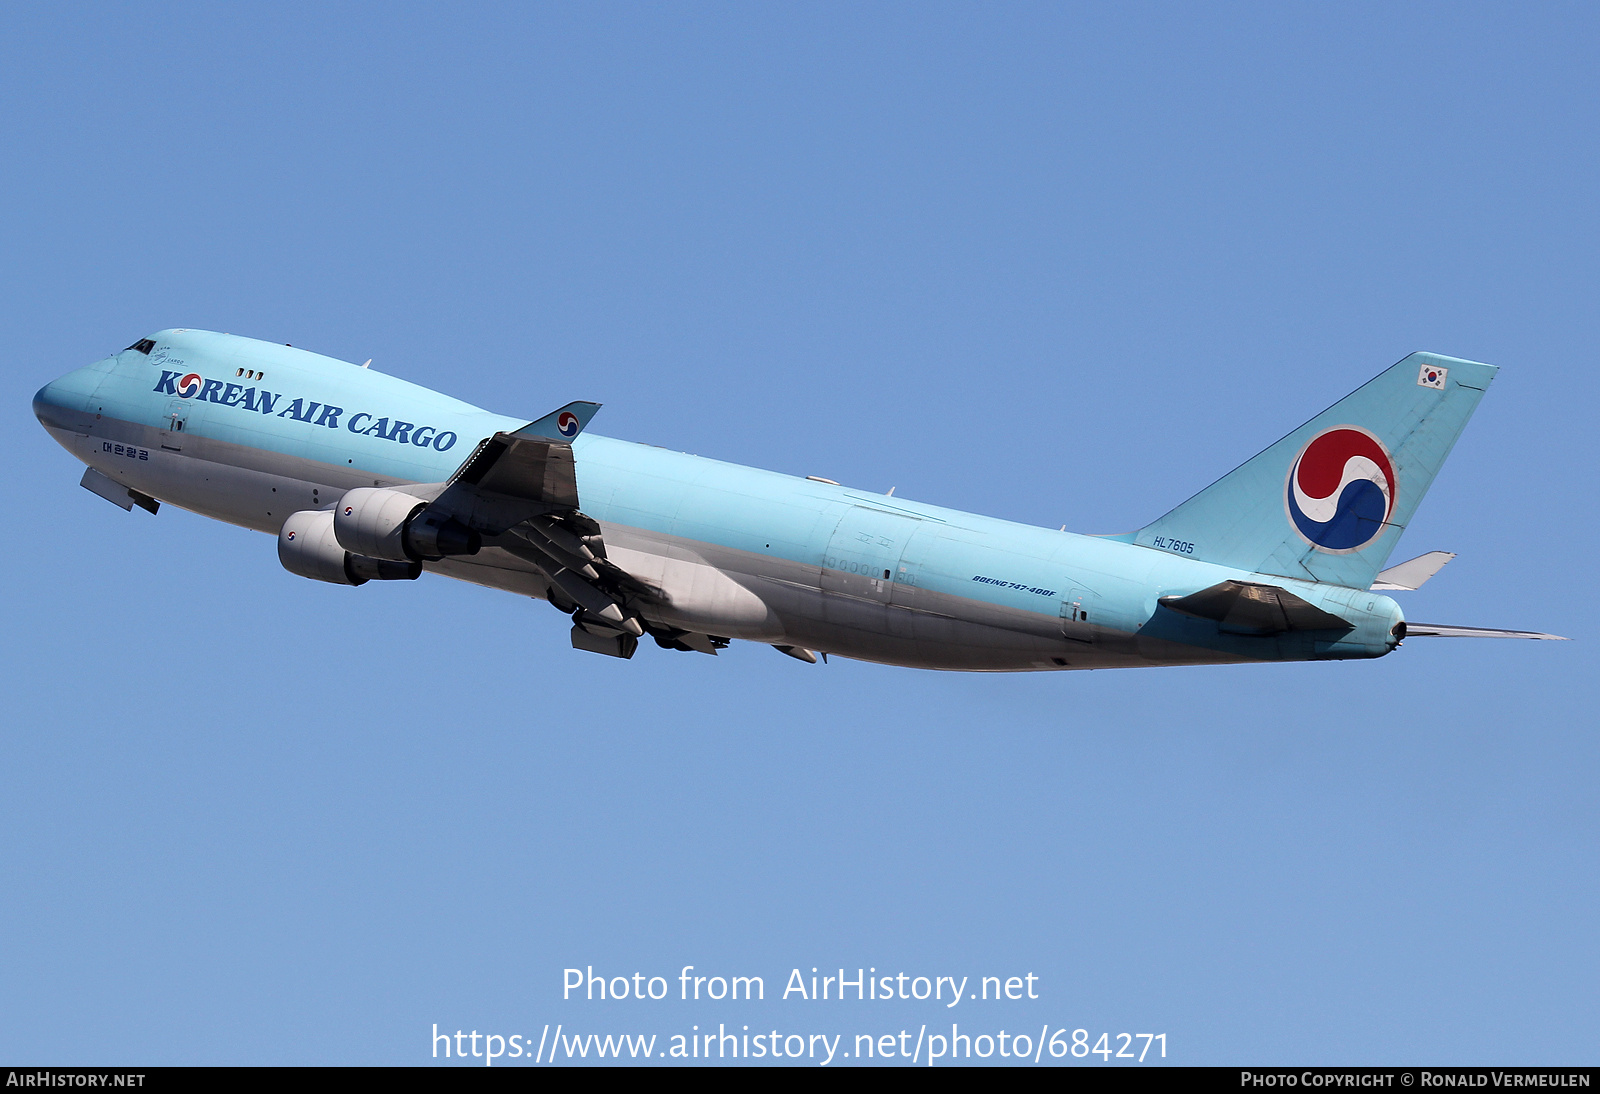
<point x="308" y="547"/>
<point x="389" y="524"/>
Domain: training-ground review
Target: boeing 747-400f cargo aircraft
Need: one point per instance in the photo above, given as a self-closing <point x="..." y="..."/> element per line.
<point x="363" y="477"/>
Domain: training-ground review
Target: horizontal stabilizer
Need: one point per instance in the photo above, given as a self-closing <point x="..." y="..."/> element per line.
<point x="1411" y="575"/>
<point x="1435" y="630"/>
<point x="1247" y="608"/>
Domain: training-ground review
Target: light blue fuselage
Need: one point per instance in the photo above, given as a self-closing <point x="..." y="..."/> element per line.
<point x="738" y="552"/>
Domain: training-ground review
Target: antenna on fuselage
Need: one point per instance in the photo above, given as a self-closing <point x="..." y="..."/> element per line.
<point x="367" y="363"/>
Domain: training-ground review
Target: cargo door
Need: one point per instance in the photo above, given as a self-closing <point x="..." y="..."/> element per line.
<point x="864" y="553"/>
<point x="174" y="423"/>
<point x="908" y="574"/>
<point x="1080" y="611"/>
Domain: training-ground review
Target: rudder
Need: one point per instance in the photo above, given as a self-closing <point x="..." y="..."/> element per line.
<point x="1329" y="501"/>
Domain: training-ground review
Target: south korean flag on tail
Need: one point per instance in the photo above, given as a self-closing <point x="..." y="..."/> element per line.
<point x="1432" y="376"/>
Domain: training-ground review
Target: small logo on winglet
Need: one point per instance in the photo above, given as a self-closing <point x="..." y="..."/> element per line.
<point x="567" y="424"/>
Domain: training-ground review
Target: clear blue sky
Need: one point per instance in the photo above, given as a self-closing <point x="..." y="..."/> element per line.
<point x="1059" y="264"/>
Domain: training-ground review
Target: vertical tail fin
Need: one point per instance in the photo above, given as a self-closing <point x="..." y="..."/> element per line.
<point x="1329" y="501"/>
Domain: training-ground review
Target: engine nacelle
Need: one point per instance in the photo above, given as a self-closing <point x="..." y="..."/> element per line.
<point x="392" y="525"/>
<point x="308" y="547"/>
<point x="372" y="522"/>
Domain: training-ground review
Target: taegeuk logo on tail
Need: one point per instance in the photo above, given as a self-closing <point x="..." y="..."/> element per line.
<point x="1341" y="490"/>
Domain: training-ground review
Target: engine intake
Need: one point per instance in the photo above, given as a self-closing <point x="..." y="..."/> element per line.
<point x="388" y="524"/>
<point x="308" y="547"/>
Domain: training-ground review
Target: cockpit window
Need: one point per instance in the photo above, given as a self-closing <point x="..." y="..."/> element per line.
<point x="144" y="346"/>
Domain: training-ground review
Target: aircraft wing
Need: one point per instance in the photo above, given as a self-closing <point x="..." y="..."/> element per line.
<point x="519" y="491"/>
<point x="512" y="476"/>
<point x="1436" y="630"/>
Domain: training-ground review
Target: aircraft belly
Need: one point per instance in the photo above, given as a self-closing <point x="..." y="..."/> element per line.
<point x="494" y="569"/>
<point x="694" y="594"/>
<point x="743" y="594"/>
<point x="720" y="590"/>
<point x="921" y="628"/>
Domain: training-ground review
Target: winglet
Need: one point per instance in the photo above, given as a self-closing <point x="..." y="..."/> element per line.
<point x="561" y="426"/>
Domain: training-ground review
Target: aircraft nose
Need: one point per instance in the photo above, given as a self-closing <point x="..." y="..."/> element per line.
<point x="65" y="396"/>
<point x="46" y="399"/>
